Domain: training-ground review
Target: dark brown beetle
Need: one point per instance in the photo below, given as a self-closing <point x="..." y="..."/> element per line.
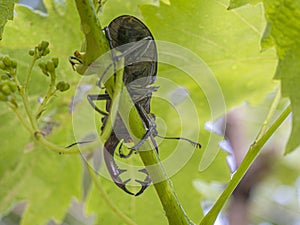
<point x="133" y="40"/>
<point x="129" y="36"/>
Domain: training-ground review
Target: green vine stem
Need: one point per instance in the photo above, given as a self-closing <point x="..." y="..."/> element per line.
<point x="51" y="92"/>
<point x="22" y="91"/>
<point x="49" y="145"/>
<point x="27" y="107"/>
<point x="21" y="118"/>
<point x="41" y="139"/>
<point x="29" y="73"/>
<point x="96" y="44"/>
<point x="95" y="40"/>
<point x="115" y="103"/>
<point x="252" y="153"/>
<point x="270" y="114"/>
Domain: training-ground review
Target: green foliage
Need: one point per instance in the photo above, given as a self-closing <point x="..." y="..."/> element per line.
<point x="228" y="41"/>
<point x="215" y="35"/>
<point x="237" y="3"/>
<point x="47" y="181"/>
<point x="283" y="18"/>
<point x="282" y="32"/>
<point x="7" y="13"/>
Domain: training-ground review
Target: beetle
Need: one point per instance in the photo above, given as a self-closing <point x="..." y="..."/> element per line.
<point x="140" y="59"/>
<point x="134" y="41"/>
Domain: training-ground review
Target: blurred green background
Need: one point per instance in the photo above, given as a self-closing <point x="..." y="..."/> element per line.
<point x="38" y="186"/>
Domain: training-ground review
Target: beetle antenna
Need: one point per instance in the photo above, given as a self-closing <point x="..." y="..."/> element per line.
<point x="79" y="143"/>
<point x="196" y="144"/>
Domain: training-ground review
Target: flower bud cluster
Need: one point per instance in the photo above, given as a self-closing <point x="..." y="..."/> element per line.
<point x="8" y="87"/>
<point x="41" y="50"/>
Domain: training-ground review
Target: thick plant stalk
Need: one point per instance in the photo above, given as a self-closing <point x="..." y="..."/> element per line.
<point x="96" y="43"/>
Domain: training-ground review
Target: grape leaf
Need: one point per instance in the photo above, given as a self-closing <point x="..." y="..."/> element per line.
<point x="237" y="3"/>
<point x="46" y="181"/>
<point x="228" y="41"/>
<point x="283" y="18"/>
<point x="6" y="13"/>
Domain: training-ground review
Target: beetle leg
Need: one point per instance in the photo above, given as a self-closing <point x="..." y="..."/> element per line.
<point x="92" y="98"/>
<point x="118" y="181"/>
<point x="149" y="123"/>
<point x="122" y="184"/>
<point x="122" y="155"/>
<point x="113" y="56"/>
<point x="127" y="155"/>
<point x="147" y="181"/>
<point x="144" y="183"/>
<point x="154" y="143"/>
<point x="114" y="171"/>
<point x="74" y="61"/>
<point x="195" y="144"/>
<point x="79" y="143"/>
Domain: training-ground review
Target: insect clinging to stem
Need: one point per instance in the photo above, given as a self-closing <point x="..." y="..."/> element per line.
<point x="129" y="36"/>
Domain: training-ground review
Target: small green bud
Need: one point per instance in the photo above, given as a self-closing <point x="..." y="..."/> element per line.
<point x="42" y="65"/>
<point x="31" y="52"/>
<point x="12" y="99"/>
<point x="5" y="89"/>
<point x="44" y="45"/>
<point x="3" y="97"/>
<point x="13" y="86"/>
<point x="2" y="66"/>
<point x="55" y="61"/>
<point x="45" y="52"/>
<point x="7" y="62"/>
<point x="4" y="77"/>
<point x="50" y="66"/>
<point x="62" y="86"/>
<point x="14" y="64"/>
<point x="4" y="82"/>
<point x="67" y="86"/>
